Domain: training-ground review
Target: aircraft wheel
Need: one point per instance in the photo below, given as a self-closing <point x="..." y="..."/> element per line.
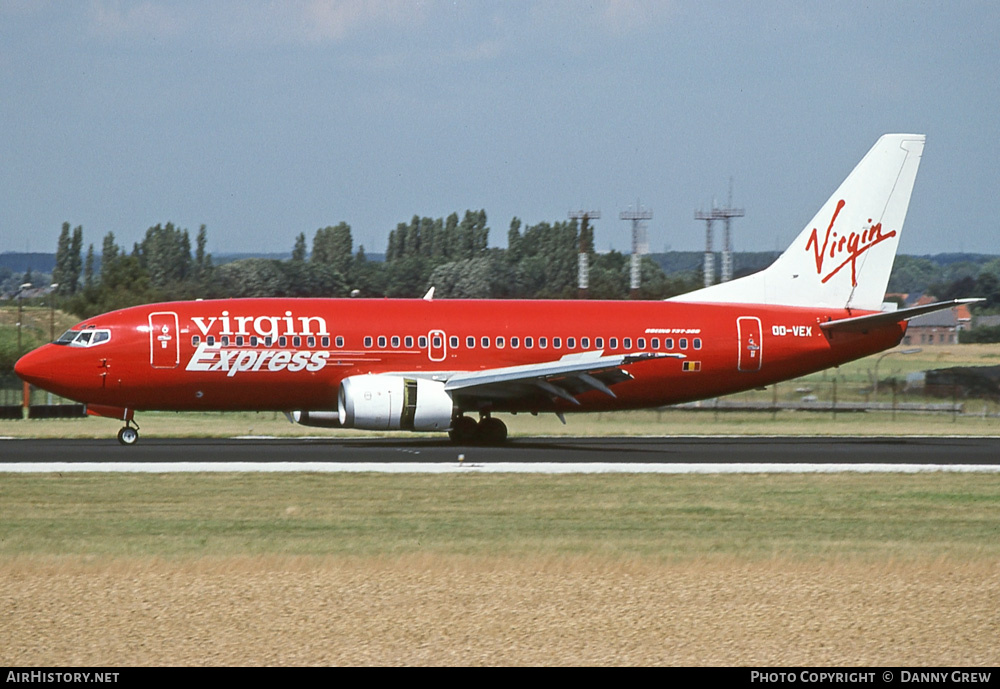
<point x="463" y="430"/>
<point x="128" y="435"/>
<point x="491" y="431"/>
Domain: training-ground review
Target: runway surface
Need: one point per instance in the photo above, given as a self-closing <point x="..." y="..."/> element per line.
<point x="556" y="455"/>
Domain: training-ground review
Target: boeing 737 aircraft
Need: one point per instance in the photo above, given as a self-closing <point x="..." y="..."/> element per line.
<point x="437" y="365"/>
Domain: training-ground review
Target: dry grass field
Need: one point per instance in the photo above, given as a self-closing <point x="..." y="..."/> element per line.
<point x="456" y="610"/>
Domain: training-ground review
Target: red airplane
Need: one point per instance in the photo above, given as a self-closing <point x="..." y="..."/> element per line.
<point x="429" y="365"/>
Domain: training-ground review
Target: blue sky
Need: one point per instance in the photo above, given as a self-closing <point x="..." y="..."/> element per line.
<point x="266" y="119"/>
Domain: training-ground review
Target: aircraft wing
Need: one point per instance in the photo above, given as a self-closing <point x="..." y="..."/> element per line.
<point x="563" y="378"/>
<point x="865" y="323"/>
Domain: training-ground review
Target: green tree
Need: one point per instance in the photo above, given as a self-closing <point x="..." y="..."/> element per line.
<point x="165" y="252"/>
<point x="75" y="258"/>
<point x="514" y="240"/>
<point x="299" y="252"/>
<point x="334" y="246"/>
<point x="68" y="260"/>
<point x="202" y="259"/>
<point x="88" y="268"/>
<point x="109" y="252"/>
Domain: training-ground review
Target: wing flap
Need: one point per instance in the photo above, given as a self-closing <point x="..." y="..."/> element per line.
<point x="564" y="378"/>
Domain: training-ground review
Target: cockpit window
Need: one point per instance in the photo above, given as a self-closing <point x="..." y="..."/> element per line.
<point x="84" y="338"/>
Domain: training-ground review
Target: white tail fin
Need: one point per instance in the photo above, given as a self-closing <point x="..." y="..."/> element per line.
<point x="842" y="259"/>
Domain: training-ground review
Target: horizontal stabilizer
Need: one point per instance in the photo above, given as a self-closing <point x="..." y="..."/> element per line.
<point x="862" y="323"/>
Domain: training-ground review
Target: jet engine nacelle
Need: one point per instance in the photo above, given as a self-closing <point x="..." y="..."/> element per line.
<point x="389" y="403"/>
<point x="318" y="419"/>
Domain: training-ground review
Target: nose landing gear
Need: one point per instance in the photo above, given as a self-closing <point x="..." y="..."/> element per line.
<point x="128" y="435"/>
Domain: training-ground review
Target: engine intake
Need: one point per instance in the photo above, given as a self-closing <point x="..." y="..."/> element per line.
<point x="389" y="403"/>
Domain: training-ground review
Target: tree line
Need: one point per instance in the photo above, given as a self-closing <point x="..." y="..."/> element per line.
<point x="452" y="254"/>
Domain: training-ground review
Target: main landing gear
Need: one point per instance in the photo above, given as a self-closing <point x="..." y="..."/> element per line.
<point x="128" y="435"/>
<point x="489" y="431"/>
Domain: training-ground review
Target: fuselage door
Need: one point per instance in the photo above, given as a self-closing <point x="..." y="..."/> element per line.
<point x="751" y="354"/>
<point x="164" y="344"/>
<point x="436" y="347"/>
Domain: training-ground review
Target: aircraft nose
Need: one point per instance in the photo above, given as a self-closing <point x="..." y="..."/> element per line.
<point x="34" y="367"/>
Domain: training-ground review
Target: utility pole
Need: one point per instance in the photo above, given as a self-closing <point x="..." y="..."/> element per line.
<point x="586" y="248"/>
<point x="640" y="244"/>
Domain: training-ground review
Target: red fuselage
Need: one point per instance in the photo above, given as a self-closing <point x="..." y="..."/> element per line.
<point x="292" y="354"/>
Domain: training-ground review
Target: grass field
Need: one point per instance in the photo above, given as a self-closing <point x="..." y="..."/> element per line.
<point x="492" y="569"/>
<point x="656" y="517"/>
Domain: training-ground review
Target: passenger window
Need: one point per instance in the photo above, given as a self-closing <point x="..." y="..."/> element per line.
<point x="570" y="343"/>
<point x="453" y="342"/>
<point x="499" y="343"/>
<point x="395" y="341"/>
<point x="514" y="342"/>
<point x="683" y="343"/>
<point x="239" y="340"/>
<point x="381" y="341"/>
<point x="485" y="342"/>
<point x="627" y="343"/>
<point x="368" y="340"/>
<point x="585" y="342"/>
<point x="543" y="342"/>
<point x="613" y="343"/>
<point x="409" y="341"/>
<point x="529" y="342"/>
<point x="210" y="340"/>
<point x="195" y="340"/>
<point x="470" y="342"/>
<point x="422" y="341"/>
<point x="556" y="342"/>
<point x="641" y="343"/>
<point x="668" y="343"/>
<point x="311" y="341"/>
<point x="656" y="343"/>
<point x="697" y="343"/>
<point x="282" y="341"/>
<point x="437" y="340"/>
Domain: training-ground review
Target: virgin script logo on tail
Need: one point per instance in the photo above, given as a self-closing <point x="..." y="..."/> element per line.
<point x="844" y="248"/>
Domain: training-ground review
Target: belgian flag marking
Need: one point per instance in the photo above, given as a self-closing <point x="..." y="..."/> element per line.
<point x="691" y="366"/>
